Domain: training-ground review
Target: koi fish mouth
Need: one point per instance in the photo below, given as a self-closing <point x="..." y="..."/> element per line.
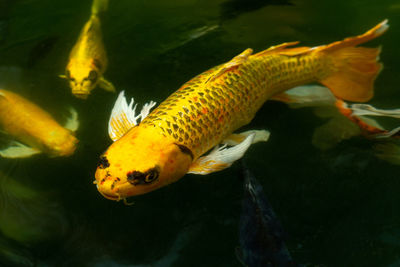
<point x="81" y="95"/>
<point x="116" y="197"/>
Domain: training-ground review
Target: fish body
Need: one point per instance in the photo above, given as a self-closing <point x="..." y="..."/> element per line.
<point x="205" y="111"/>
<point x="261" y="236"/>
<point x="88" y="58"/>
<point x="33" y="126"/>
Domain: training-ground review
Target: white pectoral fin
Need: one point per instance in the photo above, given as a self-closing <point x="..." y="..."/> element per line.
<point x="106" y="85"/>
<point x="123" y="116"/>
<point x="221" y="157"/>
<point x="18" y="150"/>
<point x="259" y="136"/>
<point x="146" y="109"/>
<point x="72" y="123"/>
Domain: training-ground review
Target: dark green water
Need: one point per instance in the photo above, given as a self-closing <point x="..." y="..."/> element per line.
<point x="340" y="207"/>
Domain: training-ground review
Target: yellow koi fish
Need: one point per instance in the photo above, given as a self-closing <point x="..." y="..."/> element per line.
<point x="88" y="59"/>
<point x="172" y="140"/>
<point x="34" y="127"/>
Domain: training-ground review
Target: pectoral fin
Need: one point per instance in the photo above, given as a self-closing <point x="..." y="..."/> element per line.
<point x="63" y="76"/>
<point x="18" y="150"/>
<point x="123" y="116"/>
<point x="106" y="85"/>
<point x="221" y="157"/>
<point x="259" y="136"/>
<point x="72" y="123"/>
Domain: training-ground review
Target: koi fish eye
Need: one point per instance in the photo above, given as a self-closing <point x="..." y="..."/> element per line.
<point x="136" y="177"/>
<point x="150" y="177"/>
<point x="92" y="76"/>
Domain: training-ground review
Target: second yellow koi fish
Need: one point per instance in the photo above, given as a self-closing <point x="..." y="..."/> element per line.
<point x="172" y="140"/>
<point x="35" y="128"/>
<point x="88" y="58"/>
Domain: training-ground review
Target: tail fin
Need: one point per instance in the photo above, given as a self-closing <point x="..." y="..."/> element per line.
<point x="354" y="68"/>
<point x="99" y="6"/>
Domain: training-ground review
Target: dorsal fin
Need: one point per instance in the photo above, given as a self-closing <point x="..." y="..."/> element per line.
<point x="376" y="31"/>
<point x="280" y="47"/>
<point x="234" y="62"/>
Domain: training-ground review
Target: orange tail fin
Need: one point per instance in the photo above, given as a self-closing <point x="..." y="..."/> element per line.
<point x="354" y="68"/>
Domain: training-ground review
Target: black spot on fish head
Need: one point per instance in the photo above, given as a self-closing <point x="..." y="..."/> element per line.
<point x="97" y="64"/>
<point x="93" y="76"/>
<point x="103" y="163"/>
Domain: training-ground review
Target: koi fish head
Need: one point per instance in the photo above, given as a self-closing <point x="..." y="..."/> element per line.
<point x="60" y="143"/>
<point x="139" y="162"/>
<point x="83" y="78"/>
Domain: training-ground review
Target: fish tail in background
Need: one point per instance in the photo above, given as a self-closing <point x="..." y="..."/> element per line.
<point x="354" y="68"/>
<point x="261" y="235"/>
<point x="99" y="6"/>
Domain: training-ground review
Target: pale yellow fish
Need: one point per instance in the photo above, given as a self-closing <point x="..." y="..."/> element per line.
<point x="88" y="58"/>
<point x="35" y="128"/>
